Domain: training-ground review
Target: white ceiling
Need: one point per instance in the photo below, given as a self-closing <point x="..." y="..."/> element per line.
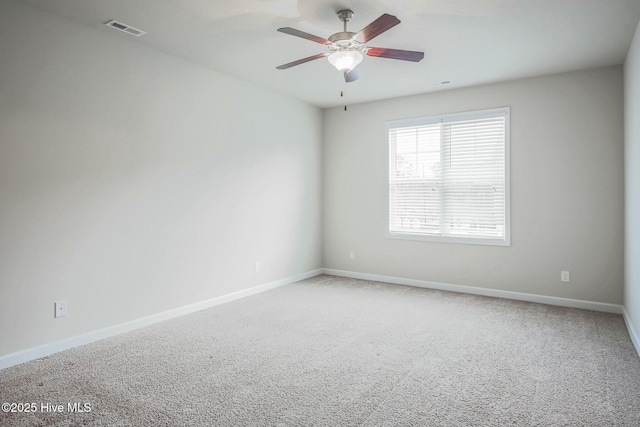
<point x="468" y="42"/>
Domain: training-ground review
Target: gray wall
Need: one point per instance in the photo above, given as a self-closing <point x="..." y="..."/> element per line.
<point x="132" y="182"/>
<point x="632" y="182"/>
<point x="566" y="189"/>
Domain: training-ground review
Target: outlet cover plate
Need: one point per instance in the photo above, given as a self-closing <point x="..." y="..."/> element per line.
<point x="60" y="308"/>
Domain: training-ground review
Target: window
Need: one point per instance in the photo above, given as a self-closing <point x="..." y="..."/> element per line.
<point x="449" y="178"/>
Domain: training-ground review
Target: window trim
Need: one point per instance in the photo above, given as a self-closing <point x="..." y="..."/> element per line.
<point x="426" y="120"/>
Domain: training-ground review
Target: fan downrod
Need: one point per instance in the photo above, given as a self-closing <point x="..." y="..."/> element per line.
<point x="345" y="16"/>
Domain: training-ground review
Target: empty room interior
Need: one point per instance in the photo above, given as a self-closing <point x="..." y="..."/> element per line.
<point x="301" y="212"/>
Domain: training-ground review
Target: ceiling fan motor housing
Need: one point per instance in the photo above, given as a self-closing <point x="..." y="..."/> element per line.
<point x="344" y="41"/>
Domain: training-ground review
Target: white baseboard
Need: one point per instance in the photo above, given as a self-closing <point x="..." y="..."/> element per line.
<point x="543" y="299"/>
<point x="33" y="353"/>
<point x="635" y="339"/>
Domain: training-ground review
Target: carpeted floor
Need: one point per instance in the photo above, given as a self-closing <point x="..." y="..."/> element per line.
<point x="332" y="351"/>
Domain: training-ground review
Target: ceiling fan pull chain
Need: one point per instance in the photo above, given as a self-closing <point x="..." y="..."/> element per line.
<point x="343" y="94"/>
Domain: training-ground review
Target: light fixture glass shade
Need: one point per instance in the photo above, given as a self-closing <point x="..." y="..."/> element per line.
<point x="345" y="60"/>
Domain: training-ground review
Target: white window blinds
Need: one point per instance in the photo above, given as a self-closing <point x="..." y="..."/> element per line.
<point x="448" y="177"/>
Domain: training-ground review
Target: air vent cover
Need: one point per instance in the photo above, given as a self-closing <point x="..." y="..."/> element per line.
<point x="126" y="28"/>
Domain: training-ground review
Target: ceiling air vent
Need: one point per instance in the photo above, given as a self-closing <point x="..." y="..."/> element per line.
<point x="126" y="28"/>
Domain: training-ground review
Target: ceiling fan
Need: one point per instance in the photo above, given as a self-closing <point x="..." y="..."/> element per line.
<point x="346" y="49"/>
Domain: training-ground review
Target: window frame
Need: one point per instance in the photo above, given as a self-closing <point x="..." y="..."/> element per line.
<point x="432" y="119"/>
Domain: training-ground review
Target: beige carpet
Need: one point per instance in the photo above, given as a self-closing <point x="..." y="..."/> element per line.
<point x="330" y="351"/>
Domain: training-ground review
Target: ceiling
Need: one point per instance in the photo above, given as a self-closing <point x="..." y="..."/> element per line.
<point x="467" y="42"/>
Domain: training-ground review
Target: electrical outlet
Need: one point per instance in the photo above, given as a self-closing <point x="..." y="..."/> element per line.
<point x="60" y="308"/>
<point x="258" y="266"/>
<point x="565" y="276"/>
<point x="352" y="255"/>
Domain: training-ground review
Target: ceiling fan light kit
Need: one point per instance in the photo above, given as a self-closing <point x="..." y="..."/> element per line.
<point x="345" y="60"/>
<point x="347" y="49"/>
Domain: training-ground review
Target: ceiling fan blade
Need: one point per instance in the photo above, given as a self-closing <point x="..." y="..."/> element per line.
<point x="298" y="33"/>
<point x="404" y="55"/>
<point x="351" y="76"/>
<point x="301" y="61"/>
<point x="377" y="27"/>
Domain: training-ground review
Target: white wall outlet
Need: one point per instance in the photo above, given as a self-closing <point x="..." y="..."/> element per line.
<point x="258" y="266"/>
<point x="60" y="308"/>
<point x="565" y="276"/>
<point x="352" y="255"/>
